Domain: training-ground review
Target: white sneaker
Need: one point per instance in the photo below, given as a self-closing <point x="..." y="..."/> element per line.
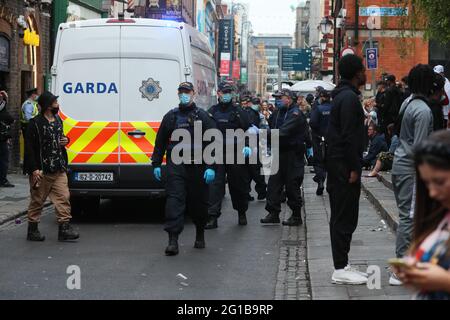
<point x="394" y="280"/>
<point x="354" y="269"/>
<point x="345" y="276"/>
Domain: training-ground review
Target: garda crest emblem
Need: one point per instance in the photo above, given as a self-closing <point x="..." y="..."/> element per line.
<point x="150" y="89"/>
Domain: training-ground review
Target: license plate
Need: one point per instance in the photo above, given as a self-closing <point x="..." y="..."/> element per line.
<point x="95" y="176"/>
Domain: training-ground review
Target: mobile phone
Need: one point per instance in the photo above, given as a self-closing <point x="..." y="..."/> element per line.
<point x="400" y="263"/>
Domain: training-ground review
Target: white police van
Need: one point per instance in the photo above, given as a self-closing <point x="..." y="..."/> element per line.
<point x="115" y="79"/>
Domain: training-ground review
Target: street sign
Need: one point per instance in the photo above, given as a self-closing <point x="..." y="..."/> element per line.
<point x="296" y="59"/>
<point x="372" y="58"/>
<point x="347" y="50"/>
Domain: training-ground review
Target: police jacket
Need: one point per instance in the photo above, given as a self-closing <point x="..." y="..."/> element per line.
<point x="182" y="117"/>
<point x="253" y="116"/>
<point x="346" y="132"/>
<point x="320" y="119"/>
<point x="293" y="128"/>
<point x="229" y="116"/>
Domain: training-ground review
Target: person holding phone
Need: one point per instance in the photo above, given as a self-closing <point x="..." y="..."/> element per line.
<point x="426" y="269"/>
<point x="46" y="163"/>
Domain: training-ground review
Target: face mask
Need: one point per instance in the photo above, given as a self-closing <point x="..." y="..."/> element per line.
<point x="255" y="107"/>
<point x="55" y="110"/>
<point x="36" y="99"/>
<point x="443" y="98"/>
<point x="280" y="104"/>
<point x="2" y="105"/>
<point x="184" y="98"/>
<point x="227" y="97"/>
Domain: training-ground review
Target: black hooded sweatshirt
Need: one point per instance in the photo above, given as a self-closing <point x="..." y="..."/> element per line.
<point x="346" y="131"/>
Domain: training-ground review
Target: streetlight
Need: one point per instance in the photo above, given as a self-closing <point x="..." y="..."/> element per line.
<point x="326" y="26"/>
<point x="323" y="44"/>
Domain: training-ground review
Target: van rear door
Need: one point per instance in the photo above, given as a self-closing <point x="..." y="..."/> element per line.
<point x="88" y="85"/>
<point x="152" y="66"/>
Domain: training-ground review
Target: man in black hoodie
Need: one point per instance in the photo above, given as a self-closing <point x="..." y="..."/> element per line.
<point x="345" y="148"/>
<point x="6" y="120"/>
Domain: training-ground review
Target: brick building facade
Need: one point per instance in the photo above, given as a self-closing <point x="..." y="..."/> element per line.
<point x="23" y="66"/>
<point x="397" y="54"/>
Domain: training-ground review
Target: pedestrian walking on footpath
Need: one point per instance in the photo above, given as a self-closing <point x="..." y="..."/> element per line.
<point x="294" y="138"/>
<point x="186" y="183"/>
<point x="6" y="120"/>
<point x="414" y="125"/>
<point x="229" y="117"/>
<point x="428" y="274"/>
<point x="343" y="161"/>
<point x="46" y="164"/>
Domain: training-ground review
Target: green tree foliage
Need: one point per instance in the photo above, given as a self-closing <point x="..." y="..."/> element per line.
<point x="431" y="16"/>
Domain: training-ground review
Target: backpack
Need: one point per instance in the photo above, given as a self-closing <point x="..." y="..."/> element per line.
<point x="399" y="120"/>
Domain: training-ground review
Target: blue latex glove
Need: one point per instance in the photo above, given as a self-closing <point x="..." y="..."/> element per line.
<point x="209" y="176"/>
<point x="310" y="152"/>
<point x="247" y="152"/>
<point x="157" y="173"/>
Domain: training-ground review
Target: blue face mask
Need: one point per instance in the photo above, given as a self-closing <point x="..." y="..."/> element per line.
<point x="255" y="107"/>
<point x="280" y="104"/>
<point x="227" y="97"/>
<point x="185" y="98"/>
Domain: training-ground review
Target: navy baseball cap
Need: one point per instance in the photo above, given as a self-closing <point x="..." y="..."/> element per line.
<point x="186" y="86"/>
<point x="225" y="87"/>
<point x="287" y="93"/>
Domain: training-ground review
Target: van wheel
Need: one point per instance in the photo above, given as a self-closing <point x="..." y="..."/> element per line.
<point x="85" y="206"/>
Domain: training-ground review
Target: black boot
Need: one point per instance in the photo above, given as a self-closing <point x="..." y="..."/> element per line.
<point x="212" y="223"/>
<point x="33" y="233"/>
<point x="294" y="220"/>
<point x="242" y="219"/>
<point x="66" y="232"/>
<point x="320" y="188"/>
<point x="262" y="196"/>
<point x="271" y="218"/>
<point x="172" y="248"/>
<point x="199" y="238"/>
<point x="250" y="198"/>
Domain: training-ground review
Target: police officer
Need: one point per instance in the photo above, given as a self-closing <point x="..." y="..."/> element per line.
<point x="228" y="116"/>
<point x="254" y="170"/>
<point x="320" y="119"/>
<point x="29" y="109"/>
<point x="186" y="183"/>
<point x="294" y="135"/>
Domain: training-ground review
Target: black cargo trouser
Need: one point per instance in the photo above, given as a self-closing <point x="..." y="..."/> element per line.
<point x="254" y="172"/>
<point x="290" y="175"/>
<point x="344" y="205"/>
<point x="238" y="185"/>
<point x="187" y="192"/>
<point x="319" y="161"/>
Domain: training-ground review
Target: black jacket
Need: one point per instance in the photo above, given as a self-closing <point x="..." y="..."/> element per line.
<point x="377" y="145"/>
<point x="346" y="130"/>
<point x="6" y="120"/>
<point x="392" y="103"/>
<point x="293" y="128"/>
<point x="34" y="142"/>
<point x="162" y="143"/>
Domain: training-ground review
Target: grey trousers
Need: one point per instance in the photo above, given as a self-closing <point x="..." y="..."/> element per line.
<point x="403" y="190"/>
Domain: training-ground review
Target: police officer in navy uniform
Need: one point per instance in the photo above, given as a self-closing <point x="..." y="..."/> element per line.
<point x="294" y="137"/>
<point x="229" y="116"/>
<point x="319" y="122"/>
<point x="187" y="183"/>
<point x="254" y="170"/>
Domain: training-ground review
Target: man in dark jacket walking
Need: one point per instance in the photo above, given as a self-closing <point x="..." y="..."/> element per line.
<point x="345" y="147"/>
<point x="46" y="164"/>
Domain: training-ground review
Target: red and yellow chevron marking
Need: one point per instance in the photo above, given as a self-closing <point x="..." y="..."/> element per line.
<point x="101" y="142"/>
